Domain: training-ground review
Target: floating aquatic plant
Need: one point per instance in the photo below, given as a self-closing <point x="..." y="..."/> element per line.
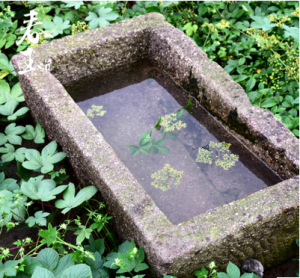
<point x="95" y="111"/>
<point x="170" y="122"/>
<point x="228" y="160"/>
<point x="165" y="177"/>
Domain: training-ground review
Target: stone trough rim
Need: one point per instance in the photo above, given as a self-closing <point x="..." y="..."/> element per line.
<point x="163" y="241"/>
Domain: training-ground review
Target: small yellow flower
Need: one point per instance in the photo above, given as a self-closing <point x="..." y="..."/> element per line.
<point x="258" y="71"/>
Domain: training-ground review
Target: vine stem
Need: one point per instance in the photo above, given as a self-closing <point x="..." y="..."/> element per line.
<point x="15" y="248"/>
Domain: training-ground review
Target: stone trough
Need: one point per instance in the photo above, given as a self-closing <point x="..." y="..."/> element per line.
<point x="262" y="225"/>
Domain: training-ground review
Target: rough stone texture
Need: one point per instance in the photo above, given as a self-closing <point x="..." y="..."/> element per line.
<point x="263" y="225"/>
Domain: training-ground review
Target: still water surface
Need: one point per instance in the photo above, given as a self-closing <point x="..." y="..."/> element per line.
<point x="128" y="103"/>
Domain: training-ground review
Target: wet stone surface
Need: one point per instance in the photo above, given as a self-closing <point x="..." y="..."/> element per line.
<point x="125" y="102"/>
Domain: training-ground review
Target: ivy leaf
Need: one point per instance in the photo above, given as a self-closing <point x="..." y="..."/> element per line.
<point x="83" y="233"/>
<point x="39" y="218"/>
<point x="6" y="94"/>
<point x="37" y="134"/>
<point x="70" y="201"/>
<point x="48" y="235"/>
<point x="43" y="161"/>
<point x="39" y="189"/>
<point x="75" y="4"/>
<point x="57" y="26"/>
<point x="105" y="15"/>
<point x="10" y="153"/>
<point x="263" y="23"/>
<point x="8" y="268"/>
<point x="12" y="134"/>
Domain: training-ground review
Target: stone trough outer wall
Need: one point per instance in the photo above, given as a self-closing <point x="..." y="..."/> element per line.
<point x="263" y="225"/>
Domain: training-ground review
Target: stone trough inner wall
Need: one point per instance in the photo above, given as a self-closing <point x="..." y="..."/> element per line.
<point x="263" y="225"/>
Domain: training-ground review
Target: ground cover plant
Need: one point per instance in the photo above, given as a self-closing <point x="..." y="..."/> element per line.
<point x="256" y="42"/>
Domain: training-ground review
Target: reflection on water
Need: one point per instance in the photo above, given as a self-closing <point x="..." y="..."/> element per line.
<point x="181" y="162"/>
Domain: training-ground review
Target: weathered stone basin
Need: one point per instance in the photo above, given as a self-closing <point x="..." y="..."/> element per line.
<point x="262" y="225"/>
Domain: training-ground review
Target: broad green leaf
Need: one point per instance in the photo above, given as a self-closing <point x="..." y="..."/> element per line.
<point x="39" y="218"/>
<point x="136" y="152"/>
<point x="168" y="3"/>
<point x="40" y="272"/>
<point x="133" y="148"/>
<point x="70" y="201"/>
<point x="97" y="266"/>
<point x="44" y="190"/>
<point x="8" y="268"/>
<point x="239" y="78"/>
<point x="146" y="145"/>
<point x="105" y="15"/>
<point x="222" y="275"/>
<point x="22" y="111"/>
<point x="77" y="271"/>
<point x="63" y="264"/>
<point x="83" y="233"/>
<point x="8" y="108"/>
<point x="233" y="271"/>
<point x="95" y="245"/>
<point x="190" y="29"/>
<point x="48" y="257"/>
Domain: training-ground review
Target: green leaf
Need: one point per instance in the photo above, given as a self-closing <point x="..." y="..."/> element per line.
<point x="136" y="152"/>
<point x="82" y="233"/>
<point x="57" y="26"/>
<point x="145" y="138"/>
<point x="8" y="184"/>
<point x="263" y="23"/>
<point x="63" y="264"/>
<point x="44" y="161"/>
<point x="133" y="148"/>
<point x="44" y="190"/>
<point x="250" y="84"/>
<point x="201" y="273"/>
<point x="37" y="134"/>
<point x="180" y="113"/>
<point x="158" y="122"/>
<point x="146" y="145"/>
<point x="168" y="3"/>
<point x="239" y="78"/>
<point x="291" y="32"/>
<point x="6" y="65"/>
<point x="8" y="268"/>
<point x="38" y="219"/>
<point x="269" y="102"/>
<point x="95" y="245"/>
<point x="48" y="235"/>
<point x="190" y="29"/>
<point x="233" y="271"/>
<point x="105" y="15"/>
<point x="40" y="272"/>
<point x="48" y="258"/>
<point x="10" y="153"/>
<point x="70" y="201"/>
<point x="163" y="149"/>
<point x="6" y="94"/>
<point x="97" y="266"/>
<point x="75" y="4"/>
<point x="223" y="275"/>
<point x="77" y="271"/>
